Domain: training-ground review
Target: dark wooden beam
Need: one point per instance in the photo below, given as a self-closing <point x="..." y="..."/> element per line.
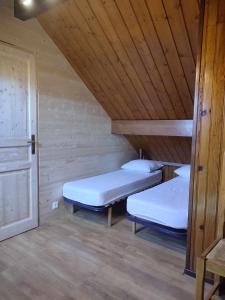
<point x="153" y="127"/>
<point x="36" y="7"/>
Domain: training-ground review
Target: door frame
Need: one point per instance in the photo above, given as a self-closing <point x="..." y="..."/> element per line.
<point x="200" y="103"/>
<point x="194" y="146"/>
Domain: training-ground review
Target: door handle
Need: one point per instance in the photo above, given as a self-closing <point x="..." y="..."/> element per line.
<point x="32" y="142"/>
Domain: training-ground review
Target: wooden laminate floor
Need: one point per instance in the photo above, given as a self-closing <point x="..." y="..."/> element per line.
<point x="73" y="257"/>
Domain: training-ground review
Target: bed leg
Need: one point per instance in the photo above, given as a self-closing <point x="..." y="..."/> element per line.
<point x="110" y="216"/>
<point x="134" y="225"/>
<point x="70" y="208"/>
<point x="75" y="209"/>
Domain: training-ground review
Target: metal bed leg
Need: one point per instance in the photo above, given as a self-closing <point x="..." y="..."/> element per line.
<point x="134" y="226"/>
<point x="110" y="216"/>
<point x="75" y="209"/>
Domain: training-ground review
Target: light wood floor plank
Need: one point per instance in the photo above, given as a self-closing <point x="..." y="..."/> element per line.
<point x="73" y="257"/>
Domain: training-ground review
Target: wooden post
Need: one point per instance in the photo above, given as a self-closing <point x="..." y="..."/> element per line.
<point x="200" y="274"/>
<point x="70" y="208"/>
<point x="206" y="209"/>
<point x="110" y="216"/>
<point x="153" y="127"/>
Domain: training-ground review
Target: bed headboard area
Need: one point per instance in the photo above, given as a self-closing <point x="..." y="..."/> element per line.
<point x="168" y="167"/>
<point x="168" y="172"/>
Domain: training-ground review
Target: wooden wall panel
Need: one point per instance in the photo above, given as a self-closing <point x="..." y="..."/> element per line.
<point x="168" y="173"/>
<point x="210" y="131"/>
<point x="169" y="149"/>
<point x="137" y="57"/>
<point x="75" y="137"/>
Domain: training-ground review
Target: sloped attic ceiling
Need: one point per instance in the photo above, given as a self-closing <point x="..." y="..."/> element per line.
<point x="137" y="57"/>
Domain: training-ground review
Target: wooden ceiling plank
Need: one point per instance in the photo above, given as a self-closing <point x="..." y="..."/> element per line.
<point x="159" y="148"/>
<point x="173" y="149"/>
<point x="144" y="52"/>
<point x="119" y="58"/>
<point x="176" y="20"/>
<point x="190" y="10"/>
<point x="151" y="38"/>
<point x="143" y="140"/>
<point x="92" y="64"/>
<point x="163" y="151"/>
<point x="185" y="145"/>
<point x="151" y="99"/>
<point x="50" y="23"/>
<point x="146" y="108"/>
<point x="161" y="24"/>
<point x="153" y="127"/>
<point x="99" y="56"/>
<point x="104" y="52"/>
<point x="153" y="149"/>
<point x="168" y="149"/>
<point x="108" y="40"/>
<point x="180" y="146"/>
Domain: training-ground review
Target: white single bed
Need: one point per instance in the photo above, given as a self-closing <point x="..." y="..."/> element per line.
<point x="108" y="188"/>
<point x="165" y="204"/>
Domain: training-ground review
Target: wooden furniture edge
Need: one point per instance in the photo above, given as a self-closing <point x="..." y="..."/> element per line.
<point x="182" y="128"/>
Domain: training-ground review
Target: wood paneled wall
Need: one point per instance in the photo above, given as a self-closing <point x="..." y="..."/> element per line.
<point x="137" y="57"/>
<point x="168" y="173"/>
<point x="210" y="133"/>
<point x="74" y="131"/>
<point x="173" y="149"/>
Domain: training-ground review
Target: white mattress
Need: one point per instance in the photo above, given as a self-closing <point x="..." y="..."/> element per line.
<point x="165" y="204"/>
<point x="107" y="188"/>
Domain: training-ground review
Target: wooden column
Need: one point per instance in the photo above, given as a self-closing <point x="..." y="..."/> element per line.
<point x="207" y="159"/>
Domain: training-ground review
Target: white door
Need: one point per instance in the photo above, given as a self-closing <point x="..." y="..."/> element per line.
<point x="18" y="155"/>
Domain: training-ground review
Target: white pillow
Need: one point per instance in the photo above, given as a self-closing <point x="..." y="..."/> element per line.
<point x="142" y="165"/>
<point x="184" y="171"/>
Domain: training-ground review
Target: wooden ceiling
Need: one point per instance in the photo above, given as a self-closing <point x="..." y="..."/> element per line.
<point x="137" y="57"/>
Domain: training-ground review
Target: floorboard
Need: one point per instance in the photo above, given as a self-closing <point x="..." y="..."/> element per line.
<point x="78" y="257"/>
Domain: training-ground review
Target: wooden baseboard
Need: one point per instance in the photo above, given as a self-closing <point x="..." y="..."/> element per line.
<point x="193" y="274"/>
<point x="189" y="273"/>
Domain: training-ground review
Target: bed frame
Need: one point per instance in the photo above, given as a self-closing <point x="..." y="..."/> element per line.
<point x="76" y="205"/>
<point x="178" y="233"/>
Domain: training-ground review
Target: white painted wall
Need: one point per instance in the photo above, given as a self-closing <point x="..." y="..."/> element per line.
<point x="74" y="131"/>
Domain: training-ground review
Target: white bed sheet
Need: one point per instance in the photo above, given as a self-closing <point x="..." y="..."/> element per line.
<point x="165" y="204"/>
<point x="107" y="188"/>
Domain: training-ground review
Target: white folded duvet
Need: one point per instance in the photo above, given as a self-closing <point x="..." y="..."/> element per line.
<point x="165" y="204"/>
<point x="106" y="188"/>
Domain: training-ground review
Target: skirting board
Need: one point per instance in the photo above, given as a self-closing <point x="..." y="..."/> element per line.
<point x="193" y="274"/>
